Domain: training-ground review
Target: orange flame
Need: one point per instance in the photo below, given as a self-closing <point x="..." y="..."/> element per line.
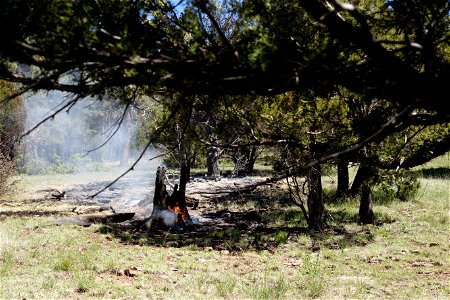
<point x="181" y="213"/>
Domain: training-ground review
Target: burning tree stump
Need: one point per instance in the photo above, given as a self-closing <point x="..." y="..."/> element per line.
<point x="169" y="210"/>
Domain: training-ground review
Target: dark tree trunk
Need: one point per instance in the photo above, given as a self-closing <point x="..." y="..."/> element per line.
<point x="360" y="177"/>
<point x="315" y="199"/>
<point x="184" y="179"/>
<point x="251" y="160"/>
<point x="343" y="177"/>
<point x="362" y="184"/>
<point x="366" y="215"/>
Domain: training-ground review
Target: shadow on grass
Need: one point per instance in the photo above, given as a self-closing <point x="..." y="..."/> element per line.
<point x="342" y="216"/>
<point x="29" y="213"/>
<point x="243" y="231"/>
<point x="434" y="173"/>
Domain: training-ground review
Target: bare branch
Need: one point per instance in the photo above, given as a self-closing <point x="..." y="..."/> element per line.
<point x="122" y="117"/>
<point x="52" y="116"/>
<point x="203" y="7"/>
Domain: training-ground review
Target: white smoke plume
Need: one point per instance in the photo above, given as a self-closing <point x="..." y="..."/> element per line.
<point x="169" y="217"/>
<point x="59" y="146"/>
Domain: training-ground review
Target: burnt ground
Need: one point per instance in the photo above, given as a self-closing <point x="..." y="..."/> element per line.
<point x="224" y="218"/>
<point x="135" y="194"/>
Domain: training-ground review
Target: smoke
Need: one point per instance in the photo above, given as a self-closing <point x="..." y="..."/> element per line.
<point x="66" y="139"/>
<point x="61" y="146"/>
<point x="169" y="218"/>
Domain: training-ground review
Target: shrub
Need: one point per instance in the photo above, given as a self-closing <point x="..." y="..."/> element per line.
<point x="401" y="185"/>
<point x="7" y="171"/>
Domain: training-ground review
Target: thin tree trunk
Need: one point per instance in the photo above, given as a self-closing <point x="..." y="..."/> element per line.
<point x="251" y="160"/>
<point x="360" y="177"/>
<point x="343" y="177"/>
<point x="315" y="199"/>
<point x="366" y="215"/>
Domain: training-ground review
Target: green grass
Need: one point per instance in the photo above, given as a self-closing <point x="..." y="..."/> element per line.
<point x="405" y="256"/>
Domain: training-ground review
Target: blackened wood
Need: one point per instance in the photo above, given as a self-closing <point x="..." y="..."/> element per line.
<point x="184" y="178"/>
<point x="160" y="188"/>
<point x="212" y="161"/>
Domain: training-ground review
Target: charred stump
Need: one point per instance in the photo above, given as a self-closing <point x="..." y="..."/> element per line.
<point x="160" y="188"/>
<point x="159" y="199"/>
<point x="169" y="210"/>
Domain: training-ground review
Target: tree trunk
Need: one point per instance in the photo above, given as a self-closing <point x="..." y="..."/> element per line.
<point x="212" y="161"/>
<point x="362" y="183"/>
<point x="366" y="215"/>
<point x="315" y="199"/>
<point x="360" y="177"/>
<point x="160" y="187"/>
<point x="343" y="177"/>
<point x="251" y="160"/>
<point x="212" y="153"/>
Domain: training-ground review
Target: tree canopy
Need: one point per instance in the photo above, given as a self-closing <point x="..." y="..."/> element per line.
<point x="397" y="51"/>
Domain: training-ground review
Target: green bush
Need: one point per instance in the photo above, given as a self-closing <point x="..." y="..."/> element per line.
<point x="60" y="167"/>
<point x="7" y="171"/>
<point x="398" y="185"/>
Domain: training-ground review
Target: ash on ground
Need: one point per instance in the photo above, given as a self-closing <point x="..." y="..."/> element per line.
<point x="135" y="192"/>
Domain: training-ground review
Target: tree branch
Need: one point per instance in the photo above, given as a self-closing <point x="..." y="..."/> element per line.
<point x="146" y="147"/>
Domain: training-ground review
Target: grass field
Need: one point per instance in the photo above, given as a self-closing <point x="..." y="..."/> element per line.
<point x="405" y="256"/>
